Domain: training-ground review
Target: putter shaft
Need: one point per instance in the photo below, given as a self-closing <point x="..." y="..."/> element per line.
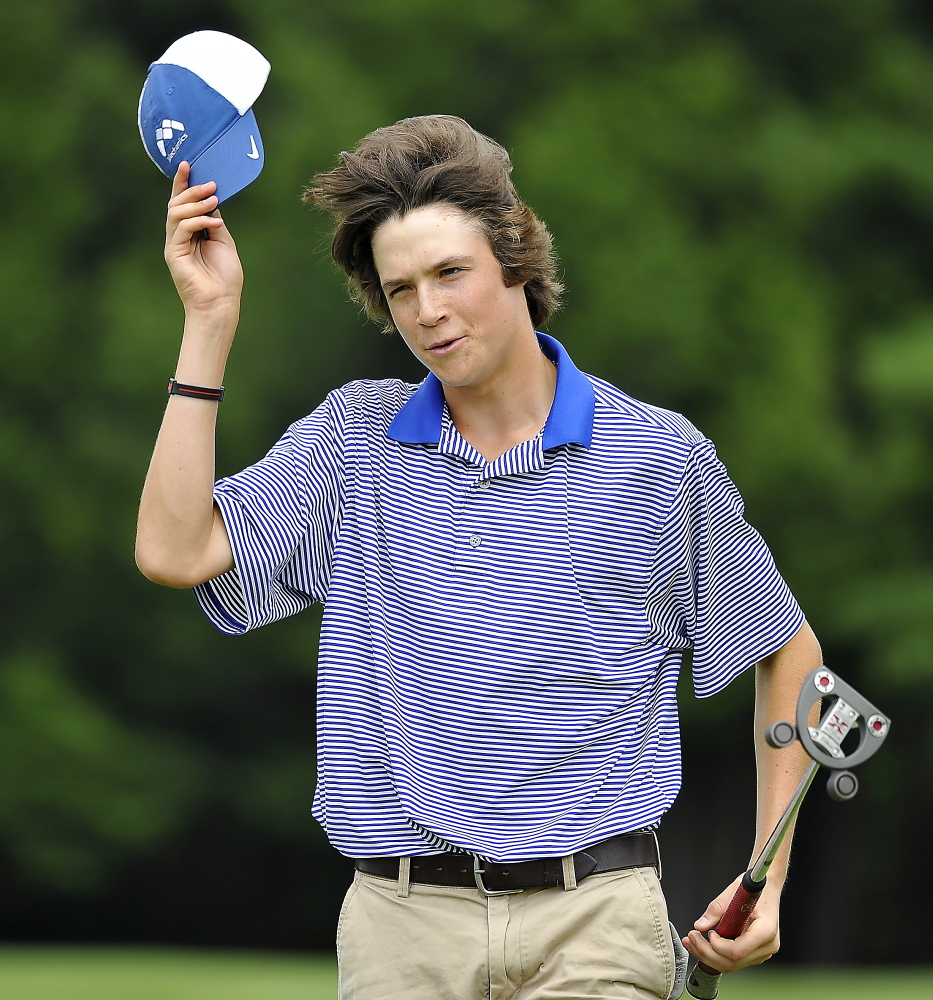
<point x="763" y="862"/>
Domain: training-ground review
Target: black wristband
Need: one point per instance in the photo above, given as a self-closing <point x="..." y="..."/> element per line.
<point x="195" y="391"/>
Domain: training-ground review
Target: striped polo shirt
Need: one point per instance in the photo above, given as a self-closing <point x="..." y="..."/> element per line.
<point x="500" y="640"/>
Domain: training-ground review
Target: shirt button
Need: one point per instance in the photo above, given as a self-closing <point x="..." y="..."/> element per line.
<point x="483" y="484"/>
<point x="476" y="541"/>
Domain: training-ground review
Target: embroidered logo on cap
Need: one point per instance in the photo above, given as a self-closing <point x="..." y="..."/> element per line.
<point x="166" y="132"/>
<point x="254" y="152"/>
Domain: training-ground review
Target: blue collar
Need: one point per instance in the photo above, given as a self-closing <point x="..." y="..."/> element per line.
<point x="570" y="419"/>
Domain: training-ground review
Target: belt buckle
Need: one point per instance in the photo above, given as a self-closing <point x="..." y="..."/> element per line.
<point x="478" y="874"/>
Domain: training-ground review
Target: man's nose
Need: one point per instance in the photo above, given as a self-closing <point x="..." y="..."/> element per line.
<point x="431" y="308"/>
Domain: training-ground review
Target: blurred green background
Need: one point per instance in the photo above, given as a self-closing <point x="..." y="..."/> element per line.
<point x="160" y="974"/>
<point x="741" y="192"/>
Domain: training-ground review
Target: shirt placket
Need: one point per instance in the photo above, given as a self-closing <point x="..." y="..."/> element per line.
<point x="474" y="543"/>
<point x="475" y="538"/>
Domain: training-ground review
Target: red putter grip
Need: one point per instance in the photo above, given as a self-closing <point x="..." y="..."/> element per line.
<point x="738" y="912"/>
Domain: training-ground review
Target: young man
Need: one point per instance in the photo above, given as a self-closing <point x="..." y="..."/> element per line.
<point x="512" y="557"/>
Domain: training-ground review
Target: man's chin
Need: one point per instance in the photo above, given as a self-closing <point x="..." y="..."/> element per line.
<point x="452" y="381"/>
<point x="457" y="376"/>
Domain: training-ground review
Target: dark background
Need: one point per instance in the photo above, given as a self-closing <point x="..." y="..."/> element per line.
<point x="742" y="196"/>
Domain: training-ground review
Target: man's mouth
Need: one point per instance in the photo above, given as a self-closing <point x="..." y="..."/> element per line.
<point x="445" y="346"/>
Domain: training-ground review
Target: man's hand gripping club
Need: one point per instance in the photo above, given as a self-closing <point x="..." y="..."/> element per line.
<point x="777" y="682"/>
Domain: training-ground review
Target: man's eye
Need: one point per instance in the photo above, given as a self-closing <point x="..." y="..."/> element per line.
<point x="451" y="270"/>
<point x="396" y="290"/>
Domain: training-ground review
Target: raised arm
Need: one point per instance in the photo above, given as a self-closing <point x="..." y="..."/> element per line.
<point x="181" y="539"/>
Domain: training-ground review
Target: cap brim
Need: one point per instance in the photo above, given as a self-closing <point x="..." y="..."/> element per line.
<point x="232" y="161"/>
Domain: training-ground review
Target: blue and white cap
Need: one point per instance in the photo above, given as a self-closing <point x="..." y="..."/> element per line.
<point x="196" y="105"/>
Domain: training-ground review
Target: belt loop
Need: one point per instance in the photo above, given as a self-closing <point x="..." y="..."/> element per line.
<point x="404" y="877"/>
<point x="570" y="873"/>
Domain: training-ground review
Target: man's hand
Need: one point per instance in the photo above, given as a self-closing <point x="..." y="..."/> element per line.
<point x="759" y="941"/>
<point x="206" y="272"/>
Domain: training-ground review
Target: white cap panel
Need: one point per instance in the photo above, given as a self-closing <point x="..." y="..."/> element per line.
<point x="231" y="66"/>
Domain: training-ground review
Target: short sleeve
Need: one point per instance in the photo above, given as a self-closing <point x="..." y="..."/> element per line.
<point x="283" y="517"/>
<point x="713" y="586"/>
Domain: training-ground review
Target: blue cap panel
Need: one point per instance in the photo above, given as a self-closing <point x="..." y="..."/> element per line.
<point x="233" y="161"/>
<point x="180" y="116"/>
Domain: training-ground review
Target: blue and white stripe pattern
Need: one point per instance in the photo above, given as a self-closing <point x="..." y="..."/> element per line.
<point x="500" y="641"/>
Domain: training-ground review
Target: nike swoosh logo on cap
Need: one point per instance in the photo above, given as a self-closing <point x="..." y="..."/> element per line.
<point x="254" y="155"/>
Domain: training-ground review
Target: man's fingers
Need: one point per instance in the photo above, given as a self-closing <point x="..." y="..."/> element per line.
<point x="180" y="180"/>
<point x="701" y="949"/>
<point x="756" y="944"/>
<point x="221" y="234"/>
<point x="185" y="229"/>
<point x="187" y="195"/>
<point x="733" y="951"/>
<point x="712" y="956"/>
<point x="707" y="921"/>
<point x="196" y="195"/>
<point x="712" y="916"/>
<point x="180" y="214"/>
<point x="717" y="907"/>
<point x="727" y="955"/>
<point x="199" y="222"/>
<point x="190" y="209"/>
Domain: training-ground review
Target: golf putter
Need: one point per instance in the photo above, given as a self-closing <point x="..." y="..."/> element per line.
<point x="847" y="712"/>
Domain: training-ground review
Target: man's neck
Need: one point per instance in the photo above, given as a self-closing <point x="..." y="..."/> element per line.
<point x="510" y="407"/>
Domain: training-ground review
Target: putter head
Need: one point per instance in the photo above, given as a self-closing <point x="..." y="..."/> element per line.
<point x="847" y="712"/>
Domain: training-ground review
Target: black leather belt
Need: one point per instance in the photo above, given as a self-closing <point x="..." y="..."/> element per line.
<point x="631" y="850"/>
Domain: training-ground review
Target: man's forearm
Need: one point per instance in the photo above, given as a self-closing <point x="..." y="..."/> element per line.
<point x="181" y="540"/>
<point x="778" y="680"/>
<point x="777" y="685"/>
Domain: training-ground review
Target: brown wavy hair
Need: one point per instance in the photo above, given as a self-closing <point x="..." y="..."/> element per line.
<point x="431" y="160"/>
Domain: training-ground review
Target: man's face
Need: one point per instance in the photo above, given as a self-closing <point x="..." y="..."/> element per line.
<point x="448" y="296"/>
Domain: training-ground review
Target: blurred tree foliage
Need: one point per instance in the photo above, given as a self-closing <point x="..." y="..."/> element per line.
<point x="742" y="196"/>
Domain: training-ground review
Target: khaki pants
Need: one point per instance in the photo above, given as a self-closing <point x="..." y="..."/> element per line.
<point x="608" y="938"/>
